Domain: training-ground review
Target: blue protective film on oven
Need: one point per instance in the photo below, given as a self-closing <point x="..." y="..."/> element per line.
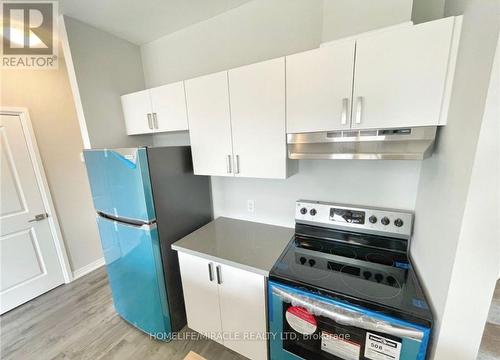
<point x="411" y="349"/>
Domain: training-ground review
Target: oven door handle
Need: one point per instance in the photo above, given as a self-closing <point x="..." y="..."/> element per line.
<point x="346" y="316"/>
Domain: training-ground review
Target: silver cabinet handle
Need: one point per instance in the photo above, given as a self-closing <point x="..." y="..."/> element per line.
<point x="219" y="274"/>
<point x="39" y="217"/>
<point x="237" y="164"/>
<point x="345" y="106"/>
<point x="210" y="271"/>
<point x="150" y="121"/>
<point x="155" y="121"/>
<point x="359" y="110"/>
<point x="228" y="164"/>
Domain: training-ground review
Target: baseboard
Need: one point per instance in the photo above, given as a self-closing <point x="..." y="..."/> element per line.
<point x="88" y="268"/>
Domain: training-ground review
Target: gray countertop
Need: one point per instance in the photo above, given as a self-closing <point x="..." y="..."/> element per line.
<point x="243" y="244"/>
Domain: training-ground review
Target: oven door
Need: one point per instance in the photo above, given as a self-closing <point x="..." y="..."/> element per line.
<point x="306" y="326"/>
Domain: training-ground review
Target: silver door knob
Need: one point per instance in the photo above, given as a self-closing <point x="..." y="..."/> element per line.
<point x="39" y="217"/>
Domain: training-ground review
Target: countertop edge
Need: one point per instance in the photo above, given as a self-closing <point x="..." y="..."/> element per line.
<point x="238" y="265"/>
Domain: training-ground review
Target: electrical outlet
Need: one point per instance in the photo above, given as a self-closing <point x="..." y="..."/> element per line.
<point x="250" y="206"/>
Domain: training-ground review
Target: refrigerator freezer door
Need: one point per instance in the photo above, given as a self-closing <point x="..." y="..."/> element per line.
<point x="135" y="272"/>
<point x="120" y="183"/>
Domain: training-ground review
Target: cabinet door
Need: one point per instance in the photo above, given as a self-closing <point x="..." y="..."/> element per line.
<point x="319" y="88"/>
<point x="401" y="75"/>
<point x="257" y="94"/>
<point x="210" y="124"/>
<point x="243" y="311"/>
<point x="136" y="107"/>
<point x="201" y="296"/>
<point x="169" y="106"/>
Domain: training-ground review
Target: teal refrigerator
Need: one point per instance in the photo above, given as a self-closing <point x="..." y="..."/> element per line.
<point x="146" y="199"/>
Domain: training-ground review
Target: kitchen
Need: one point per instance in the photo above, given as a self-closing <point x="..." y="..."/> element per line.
<point x="259" y="173"/>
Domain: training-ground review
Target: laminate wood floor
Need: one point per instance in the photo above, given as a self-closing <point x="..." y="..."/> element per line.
<point x="490" y="344"/>
<point x="78" y="321"/>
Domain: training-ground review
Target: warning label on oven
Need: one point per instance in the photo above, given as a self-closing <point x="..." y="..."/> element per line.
<point x="381" y="348"/>
<point x="339" y="346"/>
<point x="301" y="320"/>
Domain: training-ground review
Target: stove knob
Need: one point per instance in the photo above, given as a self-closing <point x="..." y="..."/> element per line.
<point x="312" y="262"/>
<point x="367" y="274"/>
<point x="302" y="260"/>
<point x="312" y="212"/>
<point x="385" y="220"/>
<point x="390" y="280"/>
<point x="379" y="277"/>
<point x="372" y="219"/>
<point x="398" y="222"/>
<point x="303" y="211"/>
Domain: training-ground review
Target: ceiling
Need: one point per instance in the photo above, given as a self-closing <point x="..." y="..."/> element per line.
<point x="142" y="21"/>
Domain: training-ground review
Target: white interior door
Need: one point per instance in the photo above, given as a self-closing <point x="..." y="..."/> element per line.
<point x="210" y="124"/>
<point x="29" y="263"/>
<point x="169" y="106"/>
<point x="257" y="94"/>
<point x="400" y="76"/>
<point x="201" y="295"/>
<point x="242" y="307"/>
<point x="319" y="88"/>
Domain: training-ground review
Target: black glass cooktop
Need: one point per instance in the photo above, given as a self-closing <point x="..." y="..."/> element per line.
<point x="347" y="266"/>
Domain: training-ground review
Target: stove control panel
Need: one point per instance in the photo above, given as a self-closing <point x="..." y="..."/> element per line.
<point x="387" y="275"/>
<point x="363" y="219"/>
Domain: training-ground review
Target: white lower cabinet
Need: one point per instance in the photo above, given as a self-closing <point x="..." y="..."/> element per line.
<point x="242" y="300"/>
<point x="201" y="296"/>
<point x="225" y="303"/>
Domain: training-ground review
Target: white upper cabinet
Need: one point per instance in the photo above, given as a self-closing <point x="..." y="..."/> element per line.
<point x="257" y="94"/>
<point x="237" y="121"/>
<point x="169" y="107"/>
<point x="401" y="76"/>
<point x="319" y="88"/>
<point x="210" y="125"/>
<point x="137" y="113"/>
<point x="158" y="109"/>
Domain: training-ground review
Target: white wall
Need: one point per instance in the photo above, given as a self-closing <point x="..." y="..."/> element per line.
<point x="343" y="18"/>
<point x="255" y="31"/>
<point x="456" y="7"/>
<point x="260" y="30"/>
<point x="427" y="10"/>
<point x="105" y="67"/>
<point x="47" y="95"/>
<point x="378" y="183"/>
<point x="447" y="207"/>
<point x="478" y="249"/>
<point x="264" y="29"/>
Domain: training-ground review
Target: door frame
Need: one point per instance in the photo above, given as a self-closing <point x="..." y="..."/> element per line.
<point x="43" y="186"/>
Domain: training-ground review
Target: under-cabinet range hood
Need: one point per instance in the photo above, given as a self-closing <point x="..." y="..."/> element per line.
<point x="374" y="144"/>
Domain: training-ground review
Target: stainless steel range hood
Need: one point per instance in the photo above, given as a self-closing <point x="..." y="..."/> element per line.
<point x="376" y="144"/>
